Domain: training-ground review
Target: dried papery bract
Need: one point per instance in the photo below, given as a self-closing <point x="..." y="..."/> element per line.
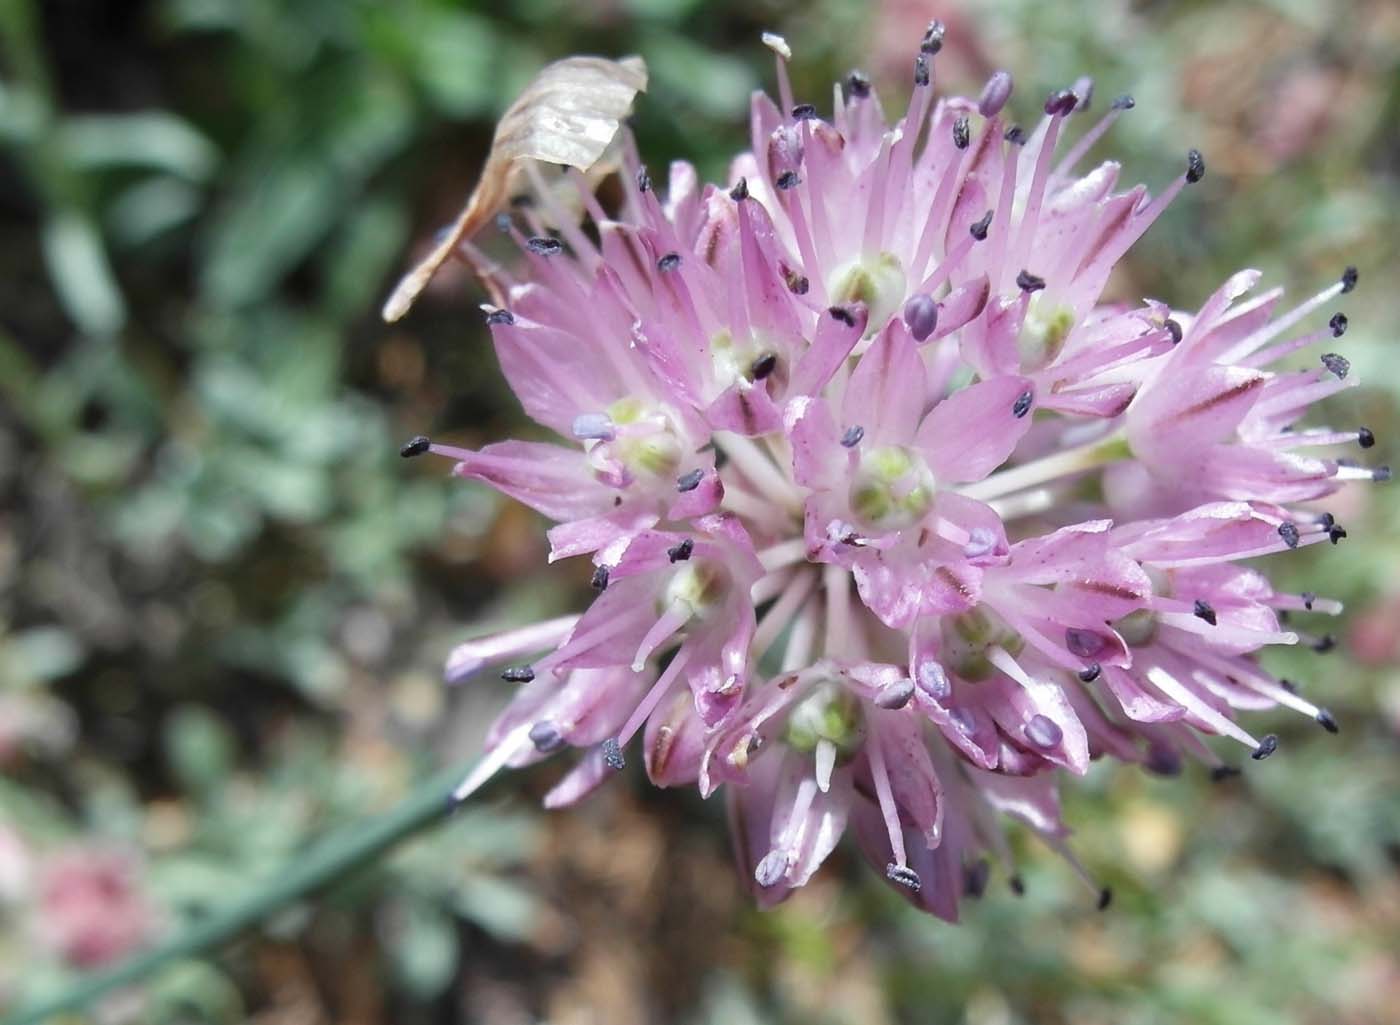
<point x="569" y="114"/>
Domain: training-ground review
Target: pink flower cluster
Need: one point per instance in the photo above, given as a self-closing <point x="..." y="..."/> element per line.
<point x="892" y="517"/>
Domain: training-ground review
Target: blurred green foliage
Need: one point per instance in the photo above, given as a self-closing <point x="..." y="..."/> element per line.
<point x="223" y="599"/>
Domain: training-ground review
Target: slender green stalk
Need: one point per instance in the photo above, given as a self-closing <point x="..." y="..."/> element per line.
<point x="331" y="859"/>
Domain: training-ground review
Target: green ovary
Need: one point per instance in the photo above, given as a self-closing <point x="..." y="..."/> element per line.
<point x="893" y="488"/>
<point x="877" y="281"/>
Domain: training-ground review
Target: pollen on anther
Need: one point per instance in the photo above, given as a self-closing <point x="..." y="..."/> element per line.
<point x="962" y="133"/>
<point x="933" y="37"/>
<point x="1337" y="365"/>
<point x="1195" y="166"/>
<point x="612" y="755"/>
<point x="1338" y="324"/>
<point x="1028" y="282"/>
<point x="904" y="876"/>
<point x="921" y="70"/>
<point x="1289" y="533"/>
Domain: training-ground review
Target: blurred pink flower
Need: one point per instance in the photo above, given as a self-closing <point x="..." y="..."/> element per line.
<point x="90" y="908"/>
<point x="890" y="516"/>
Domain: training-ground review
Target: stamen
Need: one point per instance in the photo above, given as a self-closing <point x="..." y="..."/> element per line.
<point x="921" y="71"/>
<point x="1349" y="278"/>
<point x="1266" y="747"/>
<point x="852" y="436"/>
<point x="904" y="876"/>
<point x="1336" y="364"/>
<point x="803" y="111"/>
<point x="895" y="695"/>
<point x="788" y="180"/>
<point x="1195" y="166"/>
<point x="600" y="579"/>
<point x="933" y="37"/>
<point x="979" y="228"/>
<point x="546" y="737"/>
<point x="415" y="446"/>
<point x="653" y="698"/>
<point x="1365" y="438"/>
<point x="1289" y="533"/>
<point x="518" y="674"/>
<point x="1061" y="102"/>
<point x="858" y="85"/>
<point x="1338" y="324"/>
<point x="995" y="94"/>
<point x="1043" y="732"/>
<point x="884" y="794"/>
<point x="824" y="763"/>
<point x="1022" y="405"/>
<point x="594" y="427"/>
<point x="681" y="552"/>
<point x="690" y="481"/>
<point x="1203" y="610"/>
<point x="962" y="133"/>
<point x="740" y="191"/>
<point x="543" y="245"/>
<point x="499" y="316"/>
<point x="1028" y="282"/>
<point x="921" y="316"/>
<point x="1090" y="673"/>
<point x="1326" y="721"/>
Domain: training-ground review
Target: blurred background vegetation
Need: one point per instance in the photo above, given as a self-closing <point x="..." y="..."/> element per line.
<point x="224" y="600"/>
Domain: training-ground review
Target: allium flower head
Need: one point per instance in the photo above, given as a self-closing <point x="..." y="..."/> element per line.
<point x="891" y="516"/>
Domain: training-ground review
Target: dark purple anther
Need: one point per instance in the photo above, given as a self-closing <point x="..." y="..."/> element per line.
<point x="1043" y="732"/>
<point x="921" y="315"/>
<point x="995" y="94"/>
<point x="1083" y="643"/>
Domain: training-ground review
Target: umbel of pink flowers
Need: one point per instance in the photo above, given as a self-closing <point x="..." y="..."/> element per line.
<point x="892" y="518"/>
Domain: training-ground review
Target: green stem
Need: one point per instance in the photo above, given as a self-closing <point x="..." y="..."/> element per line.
<point x="328" y="861"/>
